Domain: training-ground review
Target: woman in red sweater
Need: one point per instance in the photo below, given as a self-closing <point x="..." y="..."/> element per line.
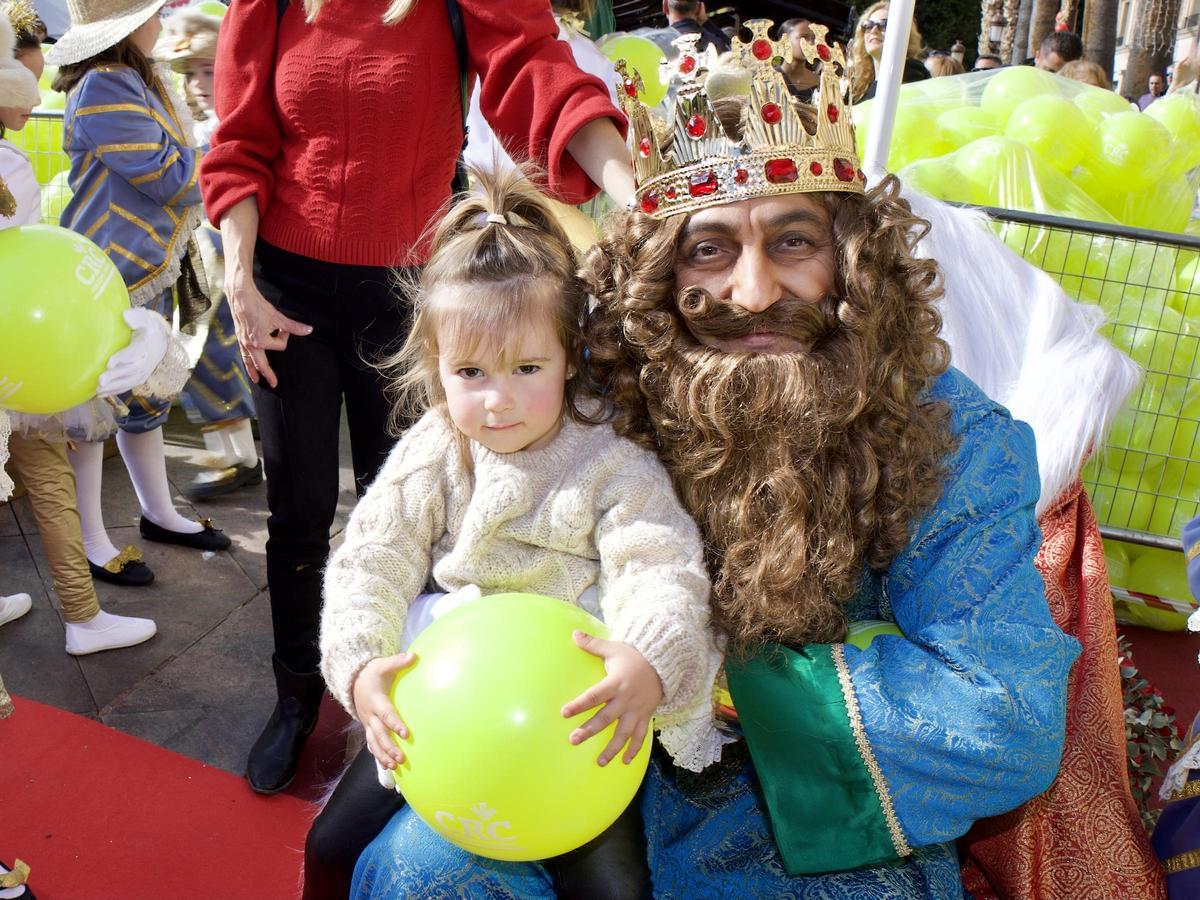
<point x="340" y="130"/>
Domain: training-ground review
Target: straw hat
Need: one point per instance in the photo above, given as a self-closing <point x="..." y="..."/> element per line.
<point x="18" y="87"/>
<point x="97" y="25"/>
<point x="187" y="34"/>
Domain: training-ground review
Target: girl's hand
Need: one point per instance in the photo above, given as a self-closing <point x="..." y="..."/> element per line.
<point x="630" y="692"/>
<point x="260" y="326"/>
<point x="373" y="707"/>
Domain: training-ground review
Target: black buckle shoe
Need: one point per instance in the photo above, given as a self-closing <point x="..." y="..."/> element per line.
<point x="209" y="538"/>
<point x="229" y="480"/>
<point x="125" y="569"/>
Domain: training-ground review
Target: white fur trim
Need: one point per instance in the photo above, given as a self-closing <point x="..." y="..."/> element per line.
<point x="1014" y="332"/>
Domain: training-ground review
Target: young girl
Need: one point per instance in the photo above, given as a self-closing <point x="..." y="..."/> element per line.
<point x="506" y="483"/>
<point x="42" y="465"/>
<point x="133" y="175"/>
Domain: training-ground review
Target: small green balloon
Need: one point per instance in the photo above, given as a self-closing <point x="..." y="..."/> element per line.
<point x="60" y="318"/>
<point x="1133" y="150"/>
<point x="1180" y="115"/>
<point x="489" y="764"/>
<point x="642" y="56"/>
<point x="1097" y="104"/>
<point x="966" y="124"/>
<point x="1161" y="573"/>
<point x="1053" y="128"/>
<point x="1186" y="297"/>
<point x="861" y="634"/>
<point x="916" y="135"/>
<point x="1007" y="88"/>
<point x="213" y="8"/>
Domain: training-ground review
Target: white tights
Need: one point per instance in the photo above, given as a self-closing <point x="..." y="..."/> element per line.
<point x="146" y="463"/>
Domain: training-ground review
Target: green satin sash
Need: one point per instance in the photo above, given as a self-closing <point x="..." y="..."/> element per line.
<point x="821" y="798"/>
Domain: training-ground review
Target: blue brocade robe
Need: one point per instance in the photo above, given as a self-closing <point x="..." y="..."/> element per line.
<point x="961" y="718"/>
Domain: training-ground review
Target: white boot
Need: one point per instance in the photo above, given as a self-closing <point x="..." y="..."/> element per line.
<point x="14" y="606"/>
<point x="107" y="632"/>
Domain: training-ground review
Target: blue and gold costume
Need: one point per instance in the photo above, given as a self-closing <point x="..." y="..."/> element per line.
<point x="135" y="192"/>
<point x="893" y="751"/>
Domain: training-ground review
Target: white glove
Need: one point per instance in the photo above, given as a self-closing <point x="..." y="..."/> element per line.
<point x="131" y="366"/>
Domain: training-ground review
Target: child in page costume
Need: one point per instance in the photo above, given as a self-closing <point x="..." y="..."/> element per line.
<point x="42" y="464"/>
<point x="511" y="481"/>
<point x="217" y="396"/>
<point x="861" y="767"/>
<point x="133" y="176"/>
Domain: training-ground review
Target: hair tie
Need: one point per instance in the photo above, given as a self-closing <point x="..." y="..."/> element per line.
<point x="497" y="219"/>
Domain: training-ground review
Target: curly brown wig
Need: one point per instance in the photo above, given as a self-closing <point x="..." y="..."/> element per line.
<point x="800" y="468"/>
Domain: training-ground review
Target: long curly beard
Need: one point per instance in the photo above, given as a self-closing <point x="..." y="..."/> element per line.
<point x="779" y="459"/>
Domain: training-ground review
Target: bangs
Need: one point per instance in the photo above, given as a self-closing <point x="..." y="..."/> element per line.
<point x="472" y="320"/>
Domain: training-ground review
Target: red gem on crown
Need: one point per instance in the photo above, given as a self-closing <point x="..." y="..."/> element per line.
<point x="780" y="171"/>
<point x="832" y="112"/>
<point x="703" y="185"/>
<point x="687" y="65"/>
<point x="670" y="193"/>
<point x="630" y="88"/>
<point x="644" y="146"/>
<point x="816" y="168"/>
<point x="649" y="203"/>
<point x="823" y="52"/>
<point x="741" y="176"/>
<point x="862" y="177"/>
<point x="696" y="126"/>
<point x="771" y="113"/>
<point x="843" y="170"/>
<point x="761" y="49"/>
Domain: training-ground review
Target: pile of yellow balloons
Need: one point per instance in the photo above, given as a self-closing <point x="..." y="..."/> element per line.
<point x="1148" y="571"/>
<point x="489" y="766"/>
<point x="1020" y="138"/>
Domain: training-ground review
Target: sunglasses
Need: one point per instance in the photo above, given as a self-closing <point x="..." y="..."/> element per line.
<point x="868" y="24"/>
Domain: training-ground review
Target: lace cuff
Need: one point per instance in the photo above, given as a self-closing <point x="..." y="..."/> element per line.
<point x="170" y="375"/>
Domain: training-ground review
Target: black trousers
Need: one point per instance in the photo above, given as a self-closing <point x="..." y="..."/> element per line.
<point x="356" y="317"/>
<point x="611" y="867"/>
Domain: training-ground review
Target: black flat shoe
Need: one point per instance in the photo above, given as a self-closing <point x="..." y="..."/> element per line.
<point x="125" y="569"/>
<point x="229" y="480"/>
<point x="209" y="538"/>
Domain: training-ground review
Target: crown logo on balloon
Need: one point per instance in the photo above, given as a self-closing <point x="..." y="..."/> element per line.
<point x="705" y="167"/>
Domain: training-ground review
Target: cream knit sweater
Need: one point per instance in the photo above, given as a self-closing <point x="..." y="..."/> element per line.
<point x="590" y="508"/>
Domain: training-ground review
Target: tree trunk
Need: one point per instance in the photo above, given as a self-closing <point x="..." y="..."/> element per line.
<point x="1100" y="33"/>
<point x="1152" y="47"/>
<point x="1041" y="23"/>
<point x="1021" y="35"/>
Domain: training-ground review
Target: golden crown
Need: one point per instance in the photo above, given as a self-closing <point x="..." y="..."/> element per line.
<point x="702" y="166"/>
<point x="22" y="16"/>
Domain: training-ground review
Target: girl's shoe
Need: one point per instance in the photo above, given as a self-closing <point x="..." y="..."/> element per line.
<point x="107" y="632"/>
<point x="208" y="538"/>
<point x="14" y="606"/>
<point x="125" y="569"/>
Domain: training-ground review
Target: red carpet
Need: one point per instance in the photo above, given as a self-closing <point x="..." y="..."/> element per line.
<point x="98" y="814"/>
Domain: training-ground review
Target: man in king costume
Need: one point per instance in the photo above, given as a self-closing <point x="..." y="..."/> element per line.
<point x="767" y="325"/>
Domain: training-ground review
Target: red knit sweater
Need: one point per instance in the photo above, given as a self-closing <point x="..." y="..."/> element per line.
<point x="346" y="131"/>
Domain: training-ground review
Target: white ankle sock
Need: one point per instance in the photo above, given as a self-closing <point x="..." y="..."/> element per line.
<point x="239" y="439"/>
<point x="147" y="466"/>
<point x="87" y="459"/>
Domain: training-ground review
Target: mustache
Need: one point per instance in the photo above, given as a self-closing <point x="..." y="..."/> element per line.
<point x="802" y="320"/>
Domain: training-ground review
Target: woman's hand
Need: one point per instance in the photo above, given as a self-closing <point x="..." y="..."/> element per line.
<point x="260" y="326"/>
<point x="373" y="706"/>
<point x="630" y="692"/>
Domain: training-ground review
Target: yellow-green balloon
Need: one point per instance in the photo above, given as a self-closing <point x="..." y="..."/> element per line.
<point x="1053" y="128"/>
<point x="1133" y="150"/>
<point x="60" y="318"/>
<point x="1007" y="88"/>
<point x="1186" y="297"/>
<point x="861" y="634"/>
<point x="965" y="124"/>
<point x="55" y="197"/>
<point x="1162" y="573"/>
<point x="1164" y="206"/>
<point x="1117" y="559"/>
<point x="489" y="766"/>
<point x="1097" y="104"/>
<point x="1180" y="115"/>
<point x="643" y="56"/>
<point x="915" y="135"/>
<point x="42" y="140"/>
